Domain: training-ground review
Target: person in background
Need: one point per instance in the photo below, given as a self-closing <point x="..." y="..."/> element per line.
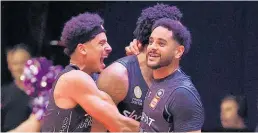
<point x="44" y="72"/>
<point x="14" y="101"/>
<point x="233" y="113"/>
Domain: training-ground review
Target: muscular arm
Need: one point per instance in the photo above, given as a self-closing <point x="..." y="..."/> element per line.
<point x="114" y="81"/>
<point x="187" y="111"/>
<point x="82" y="89"/>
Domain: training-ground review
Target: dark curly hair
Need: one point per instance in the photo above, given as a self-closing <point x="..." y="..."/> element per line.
<point x="180" y="32"/>
<point x="149" y="16"/>
<point x="79" y="29"/>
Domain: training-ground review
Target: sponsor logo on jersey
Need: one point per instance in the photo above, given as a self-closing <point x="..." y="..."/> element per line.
<point x="146" y="119"/>
<point x="137" y="92"/>
<point x="154" y="102"/>
<point x="132" y="115"/>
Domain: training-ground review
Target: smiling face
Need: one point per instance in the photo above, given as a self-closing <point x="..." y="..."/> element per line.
<point x="162" y="49"/>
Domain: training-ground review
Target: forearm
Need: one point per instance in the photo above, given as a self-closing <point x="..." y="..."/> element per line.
<point x="129" y="125"/>
<point x="30" y="125"/>
<point x="97" y="126"/>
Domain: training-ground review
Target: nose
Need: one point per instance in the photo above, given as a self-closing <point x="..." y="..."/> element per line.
<point x="108" y="48"/>
<point x="151" y="47"/>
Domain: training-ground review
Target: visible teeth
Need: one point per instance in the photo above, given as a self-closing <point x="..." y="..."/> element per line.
<point x="153" y="55"/>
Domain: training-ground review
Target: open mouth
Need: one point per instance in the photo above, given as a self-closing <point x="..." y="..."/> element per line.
<point x="152" y="55"/>
<point x="103" y="65"/>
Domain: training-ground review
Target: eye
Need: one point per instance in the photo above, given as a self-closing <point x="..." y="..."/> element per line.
<point x="102" y="43"/>
<point x="162" y="44"/>
<point x="150" y="42"/>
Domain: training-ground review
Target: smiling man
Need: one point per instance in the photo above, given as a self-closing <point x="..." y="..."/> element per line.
<point x="172" y="102"/>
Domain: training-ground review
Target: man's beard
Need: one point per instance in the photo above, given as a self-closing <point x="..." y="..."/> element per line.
<point x="161" y="63"/>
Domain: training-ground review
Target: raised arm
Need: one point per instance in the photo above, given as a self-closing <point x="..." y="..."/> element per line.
<point x="82" y="89"/>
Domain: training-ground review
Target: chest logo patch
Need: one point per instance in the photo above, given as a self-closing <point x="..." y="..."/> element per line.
<point x="154" y="102"/>
<point x="137" y="92"/>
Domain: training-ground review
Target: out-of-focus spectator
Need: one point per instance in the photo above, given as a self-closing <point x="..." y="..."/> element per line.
<point x="38" y="77"/>
<point x="14" y="101"/>
<point x="233" y="114"/>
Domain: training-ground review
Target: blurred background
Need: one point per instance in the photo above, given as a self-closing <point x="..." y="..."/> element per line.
<point x="223" y="58"/>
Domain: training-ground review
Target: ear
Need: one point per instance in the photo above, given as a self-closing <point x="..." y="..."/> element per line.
<point x="179" y="51"/>
<point x="82" y="48"/>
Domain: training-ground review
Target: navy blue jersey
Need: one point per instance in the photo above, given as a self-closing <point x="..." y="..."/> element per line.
<point x="132" y="105"/>
<point x="65" y="120"/>
<point x="172" y="104"/>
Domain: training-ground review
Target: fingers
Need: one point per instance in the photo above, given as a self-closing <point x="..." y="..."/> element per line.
<point x="128" y="51"/>
<point x="135" y="46"/>
<point x="139" y="45"/>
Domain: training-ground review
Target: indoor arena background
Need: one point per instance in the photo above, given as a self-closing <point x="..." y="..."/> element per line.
<point x="223" y="58"/>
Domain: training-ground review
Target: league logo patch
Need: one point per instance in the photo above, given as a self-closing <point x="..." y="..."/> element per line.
<point x="154" y="102"/>
<point x="137" y="92"/>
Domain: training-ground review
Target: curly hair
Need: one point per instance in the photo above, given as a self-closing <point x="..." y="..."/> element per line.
<point x="149" y="16"/>
<point x="79" y="30"/>
<point x="180" y="33"/>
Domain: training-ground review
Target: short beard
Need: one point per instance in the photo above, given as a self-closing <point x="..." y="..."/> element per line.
<point x="161" y="64"/>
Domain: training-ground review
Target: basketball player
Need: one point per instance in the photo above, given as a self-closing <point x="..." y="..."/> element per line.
<point x="172" y="102"/>
<point x="75" y="92"/>
<point x="127" y="79"/>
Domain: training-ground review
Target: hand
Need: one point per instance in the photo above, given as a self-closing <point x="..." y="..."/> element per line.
<point x="133" y="48"/>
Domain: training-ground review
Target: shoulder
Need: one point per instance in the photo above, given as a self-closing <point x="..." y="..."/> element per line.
<point x="9" y="90"/>
<point x="74" y="76"/>
<point x="127" y="60"/>
<point x="74" y="79"/>
<point x="114" y="81"/>
<point x="186" y="94"/>
<point x="115" y="71"/>
<point x="185" y="99"/>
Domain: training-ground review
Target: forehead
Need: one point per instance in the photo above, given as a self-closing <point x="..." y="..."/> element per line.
<point x="100" y="36"/>
<point x="229" y="103"/>
<point x="19" y="54"/>
<point x="162" y="33"/>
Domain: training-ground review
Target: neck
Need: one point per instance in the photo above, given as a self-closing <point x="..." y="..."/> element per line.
<point x="19" y="84"/>
<point x="81" y="65"/>
<point x="240" y="124"/>
<point x="166" y="70"/>
<point x="145" y="70"/>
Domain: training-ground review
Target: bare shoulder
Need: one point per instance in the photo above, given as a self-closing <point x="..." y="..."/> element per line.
<point x="72" y="80"/>
<point x="114" y="81"/>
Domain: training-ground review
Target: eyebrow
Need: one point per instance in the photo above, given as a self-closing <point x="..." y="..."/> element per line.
<point x="163" y="40"/>
<point x="103" y="41"/>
